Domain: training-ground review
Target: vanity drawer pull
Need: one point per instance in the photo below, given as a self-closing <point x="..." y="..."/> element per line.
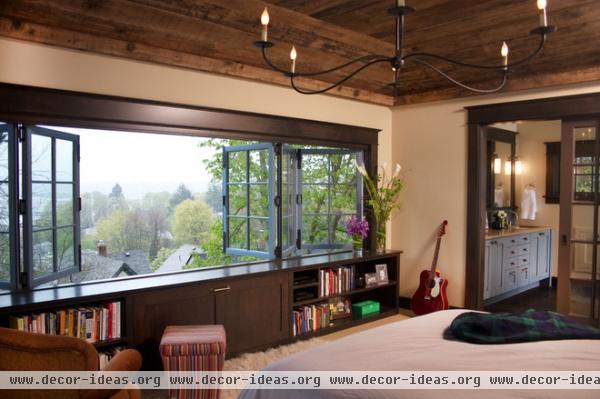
<point x="525" y="238"/>
<point x="513" y="241"/>
<point x="227" y="288"/>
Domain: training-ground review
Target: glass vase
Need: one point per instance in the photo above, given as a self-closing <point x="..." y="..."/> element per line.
<point x="357" y="245"/>
<point x="380" y="237"/>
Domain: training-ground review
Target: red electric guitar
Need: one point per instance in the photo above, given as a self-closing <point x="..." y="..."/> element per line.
<point x="431" y="294"/>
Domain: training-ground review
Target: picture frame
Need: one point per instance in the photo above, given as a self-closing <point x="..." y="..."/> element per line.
<point x="382" y="274"/>
<point x="370" y="279"/>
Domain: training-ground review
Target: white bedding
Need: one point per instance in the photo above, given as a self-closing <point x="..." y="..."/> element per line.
<point x="418" y="344"/>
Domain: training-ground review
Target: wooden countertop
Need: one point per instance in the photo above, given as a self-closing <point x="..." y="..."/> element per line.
<point x="493" y="234"/>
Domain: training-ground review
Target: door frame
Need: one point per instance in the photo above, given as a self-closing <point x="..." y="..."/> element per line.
<point x="584" y="106"/>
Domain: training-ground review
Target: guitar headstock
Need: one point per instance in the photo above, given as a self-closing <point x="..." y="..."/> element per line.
<point x="442" y="229"/>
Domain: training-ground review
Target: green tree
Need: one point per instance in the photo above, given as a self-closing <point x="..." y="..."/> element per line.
<point x="156" y="208"/>
<point x="181" y="194"/>
<point x="116" y="197"/>
<point x="94" y="206"/>
<point x="191" y="222"/>
<point x="125" y="230"/>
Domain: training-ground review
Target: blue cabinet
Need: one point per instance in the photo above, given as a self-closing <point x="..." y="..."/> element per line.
<point x="515" y="263"/>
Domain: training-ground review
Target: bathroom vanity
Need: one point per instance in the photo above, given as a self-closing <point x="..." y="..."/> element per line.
<point x="516" y="260"/>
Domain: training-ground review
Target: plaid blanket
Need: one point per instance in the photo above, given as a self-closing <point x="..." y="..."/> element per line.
<point x="531" y="325"/>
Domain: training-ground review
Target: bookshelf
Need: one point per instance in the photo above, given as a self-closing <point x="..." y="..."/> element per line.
<point x="99" y="323"/>
<point x="322" y="296"/>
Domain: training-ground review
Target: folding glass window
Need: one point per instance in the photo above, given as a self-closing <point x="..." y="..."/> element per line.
<point x="51" y="231"/>
<point x="248" y="193"/>
<point x="8" y="214"/>
<point x="331" y="191"/>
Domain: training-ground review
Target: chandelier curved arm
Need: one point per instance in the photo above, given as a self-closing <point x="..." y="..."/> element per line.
<point x="339" y="82"/>
<point x="476" y="66"/>
<point x="464" y="86"/>
<point x="326" y="71"/>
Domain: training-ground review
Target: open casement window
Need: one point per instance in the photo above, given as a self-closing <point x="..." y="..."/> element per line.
<point x="50" y="205"/>
<point x="331" y="191"/>
<point x="290" y="200"/>
<point x="8" y="210"/>
<point x="248" y="200"/>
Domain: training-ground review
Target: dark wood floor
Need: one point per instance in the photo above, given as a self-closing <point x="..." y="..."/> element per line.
<point x="540" y="298"/>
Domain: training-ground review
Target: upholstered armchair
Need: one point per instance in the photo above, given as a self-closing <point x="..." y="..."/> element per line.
<point x="36" y="352"/>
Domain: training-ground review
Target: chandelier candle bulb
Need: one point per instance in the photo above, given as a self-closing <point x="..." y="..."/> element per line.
<point x="293" y="55"/>
<point x="504" y="53"/>
<point x="543" y="16"/>
<point x="400" y="3"/>
<point x="264" y="20"/>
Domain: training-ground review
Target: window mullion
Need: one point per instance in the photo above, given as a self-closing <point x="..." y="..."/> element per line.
<point x="248" y="200"/>
<point x="54" y="216"/>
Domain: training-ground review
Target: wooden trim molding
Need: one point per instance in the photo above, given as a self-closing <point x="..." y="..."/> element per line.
<point x="565" y="108"/>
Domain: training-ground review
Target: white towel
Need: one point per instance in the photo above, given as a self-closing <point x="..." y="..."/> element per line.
<point x="528" y="203"/>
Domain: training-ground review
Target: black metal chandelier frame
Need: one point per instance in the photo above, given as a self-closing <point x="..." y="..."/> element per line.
<point x="398" y="60"/>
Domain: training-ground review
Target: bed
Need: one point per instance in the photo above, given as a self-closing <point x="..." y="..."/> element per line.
<point x="419" y="344"/>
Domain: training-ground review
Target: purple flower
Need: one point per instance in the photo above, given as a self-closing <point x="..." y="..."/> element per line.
<point x="357" y="227"/>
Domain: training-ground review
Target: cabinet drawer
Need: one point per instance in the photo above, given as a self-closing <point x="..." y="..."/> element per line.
<point x="517" y="240"/>
<point x="518" y="250"/>
<point x="511" y="263"/>
<point x="523" y="260"/>
<point x="510" y="279"/>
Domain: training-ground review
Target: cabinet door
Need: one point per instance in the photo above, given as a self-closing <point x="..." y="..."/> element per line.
<point x="254" y="311"/>
<point x="542" y="264"/>
<point x="487" y="276"/>
<point x="534" y="245"/>
<point x="497" y="266"/>
<point x="156" y="309"/>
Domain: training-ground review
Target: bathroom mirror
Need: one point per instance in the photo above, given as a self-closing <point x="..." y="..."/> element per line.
<point x="501" y="150"/>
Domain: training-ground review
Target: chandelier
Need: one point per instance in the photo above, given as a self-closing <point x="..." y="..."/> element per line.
<point x="397" y="61"/>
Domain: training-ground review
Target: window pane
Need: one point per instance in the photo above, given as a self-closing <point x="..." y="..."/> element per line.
<point x="315" y="199"/>
<point x="343" y="199"/>
<point x="583" y="183"/>
<point x="41" y="158"/>
<point x="64" y="160"/>
<point x="41" y="205"/>
<point x="65" y="248"/>
<point x="259" y="234"/>
<point x="4" y="208"/>
<point x="237" y="166"/>
<point x="4" y="257"/>
<point x="237" y="199"/>
<point x="64" y="204"/>
<point x="4" y="152"/>
<point x="259" y="200"/>
<point x="338" y="229"/>
<point x="342" y="168"/>
<point x="259" y="166"/>
<point x="315" y="168"/>
<point x="237" y="233"/>
<point x="315" y="229"/>
<point x="42" y="253"/>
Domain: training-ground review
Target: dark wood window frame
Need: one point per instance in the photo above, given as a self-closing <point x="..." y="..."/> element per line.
<point x="582" y="149"/>
<point x="564" y="108"/>
<point x="33" y="105"/>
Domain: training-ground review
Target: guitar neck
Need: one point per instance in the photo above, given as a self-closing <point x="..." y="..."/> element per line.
<point x="435" y="256"/>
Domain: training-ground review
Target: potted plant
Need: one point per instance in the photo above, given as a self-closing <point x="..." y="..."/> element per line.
<point x="383" y="194"/>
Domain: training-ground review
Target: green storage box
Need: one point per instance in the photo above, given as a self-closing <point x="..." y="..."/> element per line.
<point x="365" y="308"/>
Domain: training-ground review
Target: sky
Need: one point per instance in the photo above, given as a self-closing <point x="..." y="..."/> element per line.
<point x="140" y="162"/>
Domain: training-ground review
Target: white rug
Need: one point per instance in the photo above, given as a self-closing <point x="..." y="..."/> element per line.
<point x="259" y="360"/>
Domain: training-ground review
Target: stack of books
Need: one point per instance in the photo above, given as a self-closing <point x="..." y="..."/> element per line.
<point x="312" y="318"/>
<point x="95" y="323"/>
<point x="336" y="281"/>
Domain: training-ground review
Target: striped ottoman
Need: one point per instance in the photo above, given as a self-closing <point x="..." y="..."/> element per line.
<point x="193" y="348"/>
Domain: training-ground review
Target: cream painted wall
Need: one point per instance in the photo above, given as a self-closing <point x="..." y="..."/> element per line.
<point x="430" y="141"/>
<point x="531" y="150"/>
<point x="44" y="66"/>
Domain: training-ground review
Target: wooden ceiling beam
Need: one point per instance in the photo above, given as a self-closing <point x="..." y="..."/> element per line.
<point x="42" y="34"/>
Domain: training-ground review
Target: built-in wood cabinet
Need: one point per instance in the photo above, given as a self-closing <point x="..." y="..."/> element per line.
<point x="515" y="263"/>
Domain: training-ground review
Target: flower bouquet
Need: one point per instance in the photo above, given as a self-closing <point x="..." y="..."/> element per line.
<point x="357" y="229"/>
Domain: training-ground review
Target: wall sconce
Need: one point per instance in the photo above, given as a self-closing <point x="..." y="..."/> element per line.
<point x="508" y="166"/>
<point x="496" y="164"/>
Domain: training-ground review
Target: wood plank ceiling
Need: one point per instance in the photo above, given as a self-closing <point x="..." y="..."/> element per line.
<point x="216" y="36"/>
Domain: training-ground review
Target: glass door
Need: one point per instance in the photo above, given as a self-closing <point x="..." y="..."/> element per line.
<point x="578" y="273"/>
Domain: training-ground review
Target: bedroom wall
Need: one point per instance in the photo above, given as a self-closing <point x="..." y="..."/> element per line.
<point x="39" y="65"/>
<point x="430" y="141"/>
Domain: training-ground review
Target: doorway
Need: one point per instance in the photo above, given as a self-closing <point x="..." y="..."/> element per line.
<point x="575" y="241"/>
